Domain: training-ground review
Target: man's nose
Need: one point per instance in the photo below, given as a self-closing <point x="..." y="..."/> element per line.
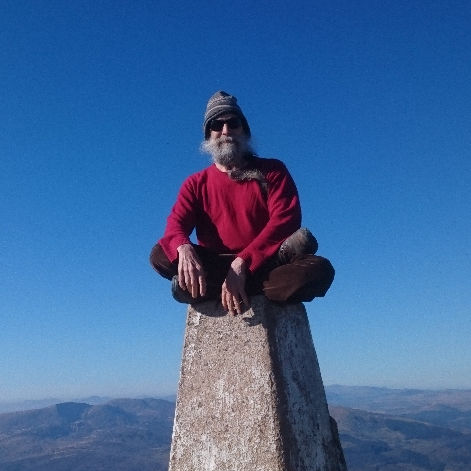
<point x="226" y="130"/>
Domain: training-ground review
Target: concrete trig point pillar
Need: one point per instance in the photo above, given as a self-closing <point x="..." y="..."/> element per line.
<point x="250" y="396"/>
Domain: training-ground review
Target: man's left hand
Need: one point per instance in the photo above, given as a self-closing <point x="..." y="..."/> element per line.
<point x="233" y="293"/>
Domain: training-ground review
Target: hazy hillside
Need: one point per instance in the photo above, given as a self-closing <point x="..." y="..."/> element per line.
<point x="431" y="433"/>
<point x="373" y="442"/>
<point x="126" y="434"/>
<point x="397" y="401"/>
<point x="448" y="408"/>
<point x="42" y="403"/>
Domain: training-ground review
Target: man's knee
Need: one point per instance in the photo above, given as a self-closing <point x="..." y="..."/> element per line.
<point x="320" y="274"/>
<point x="305" y="278"/>
<point x="161" y="264"/>
<point x="301" y="242"/>
<point x="324" y="267"/>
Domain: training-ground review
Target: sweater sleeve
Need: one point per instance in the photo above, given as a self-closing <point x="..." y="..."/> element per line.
<point x="180" y="222"/>
<point x="284" y="218"/>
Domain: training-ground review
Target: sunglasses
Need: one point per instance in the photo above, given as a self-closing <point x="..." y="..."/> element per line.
<point x="218" y="124"/>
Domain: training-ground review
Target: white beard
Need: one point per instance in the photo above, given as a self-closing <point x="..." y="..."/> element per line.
<point x="228" y="151"/>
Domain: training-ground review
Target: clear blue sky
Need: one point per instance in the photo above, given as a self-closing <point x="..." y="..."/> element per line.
<point x="101" y="105"/>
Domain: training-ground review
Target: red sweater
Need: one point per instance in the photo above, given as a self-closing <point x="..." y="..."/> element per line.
<point x="235" y="217"/>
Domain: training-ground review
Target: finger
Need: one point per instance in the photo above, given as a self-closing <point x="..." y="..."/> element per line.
<point x="181" y="275"/>
<point x="245" y="298"/>
<point x="182" y="280"/>
<point x="236" y="305"/>
<point x="229" y="303"/>
<point x="223" y="299"/>
<point x="202" y="283"/>
<point x="198" y="280"/>
<point x="186" y="279"/>
<point x="194" y="285"/>
<point x="192" y="279"/>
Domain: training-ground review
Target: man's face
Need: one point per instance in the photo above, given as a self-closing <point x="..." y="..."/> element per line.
<point x="227" y="142"/>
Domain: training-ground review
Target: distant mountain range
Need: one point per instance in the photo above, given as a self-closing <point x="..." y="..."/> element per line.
<point x="15" y="406"/>
<point x="380" y="429"/>
<point x="121" y="435"/>
<point x="386" y="442"/>
<point x="398" y="401"/>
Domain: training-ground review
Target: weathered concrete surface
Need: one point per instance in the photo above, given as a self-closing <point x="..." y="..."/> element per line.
<point x="251" y="396"/>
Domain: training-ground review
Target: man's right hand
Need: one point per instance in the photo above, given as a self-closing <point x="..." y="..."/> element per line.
<point x="191" y="276"/>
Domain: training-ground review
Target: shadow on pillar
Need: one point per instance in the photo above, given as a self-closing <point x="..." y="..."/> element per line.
<point x="251" y="396"/>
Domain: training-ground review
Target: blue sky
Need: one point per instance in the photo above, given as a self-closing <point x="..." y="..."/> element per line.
<point x="367" y="103"/>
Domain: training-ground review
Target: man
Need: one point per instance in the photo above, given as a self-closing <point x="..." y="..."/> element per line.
<point x="247" y="217"/>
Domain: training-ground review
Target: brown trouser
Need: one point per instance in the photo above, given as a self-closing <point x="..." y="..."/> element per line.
<point x="302" y="279"/>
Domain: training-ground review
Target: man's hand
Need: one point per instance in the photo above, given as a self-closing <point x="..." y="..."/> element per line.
<point x="233" y="289"/>
<point x="191" y="276"/>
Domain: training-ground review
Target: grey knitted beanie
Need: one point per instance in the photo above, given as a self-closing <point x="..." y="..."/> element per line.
<point x="222" y="103"/>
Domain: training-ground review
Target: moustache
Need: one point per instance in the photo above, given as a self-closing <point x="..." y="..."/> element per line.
<point x="227" y="139"/>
